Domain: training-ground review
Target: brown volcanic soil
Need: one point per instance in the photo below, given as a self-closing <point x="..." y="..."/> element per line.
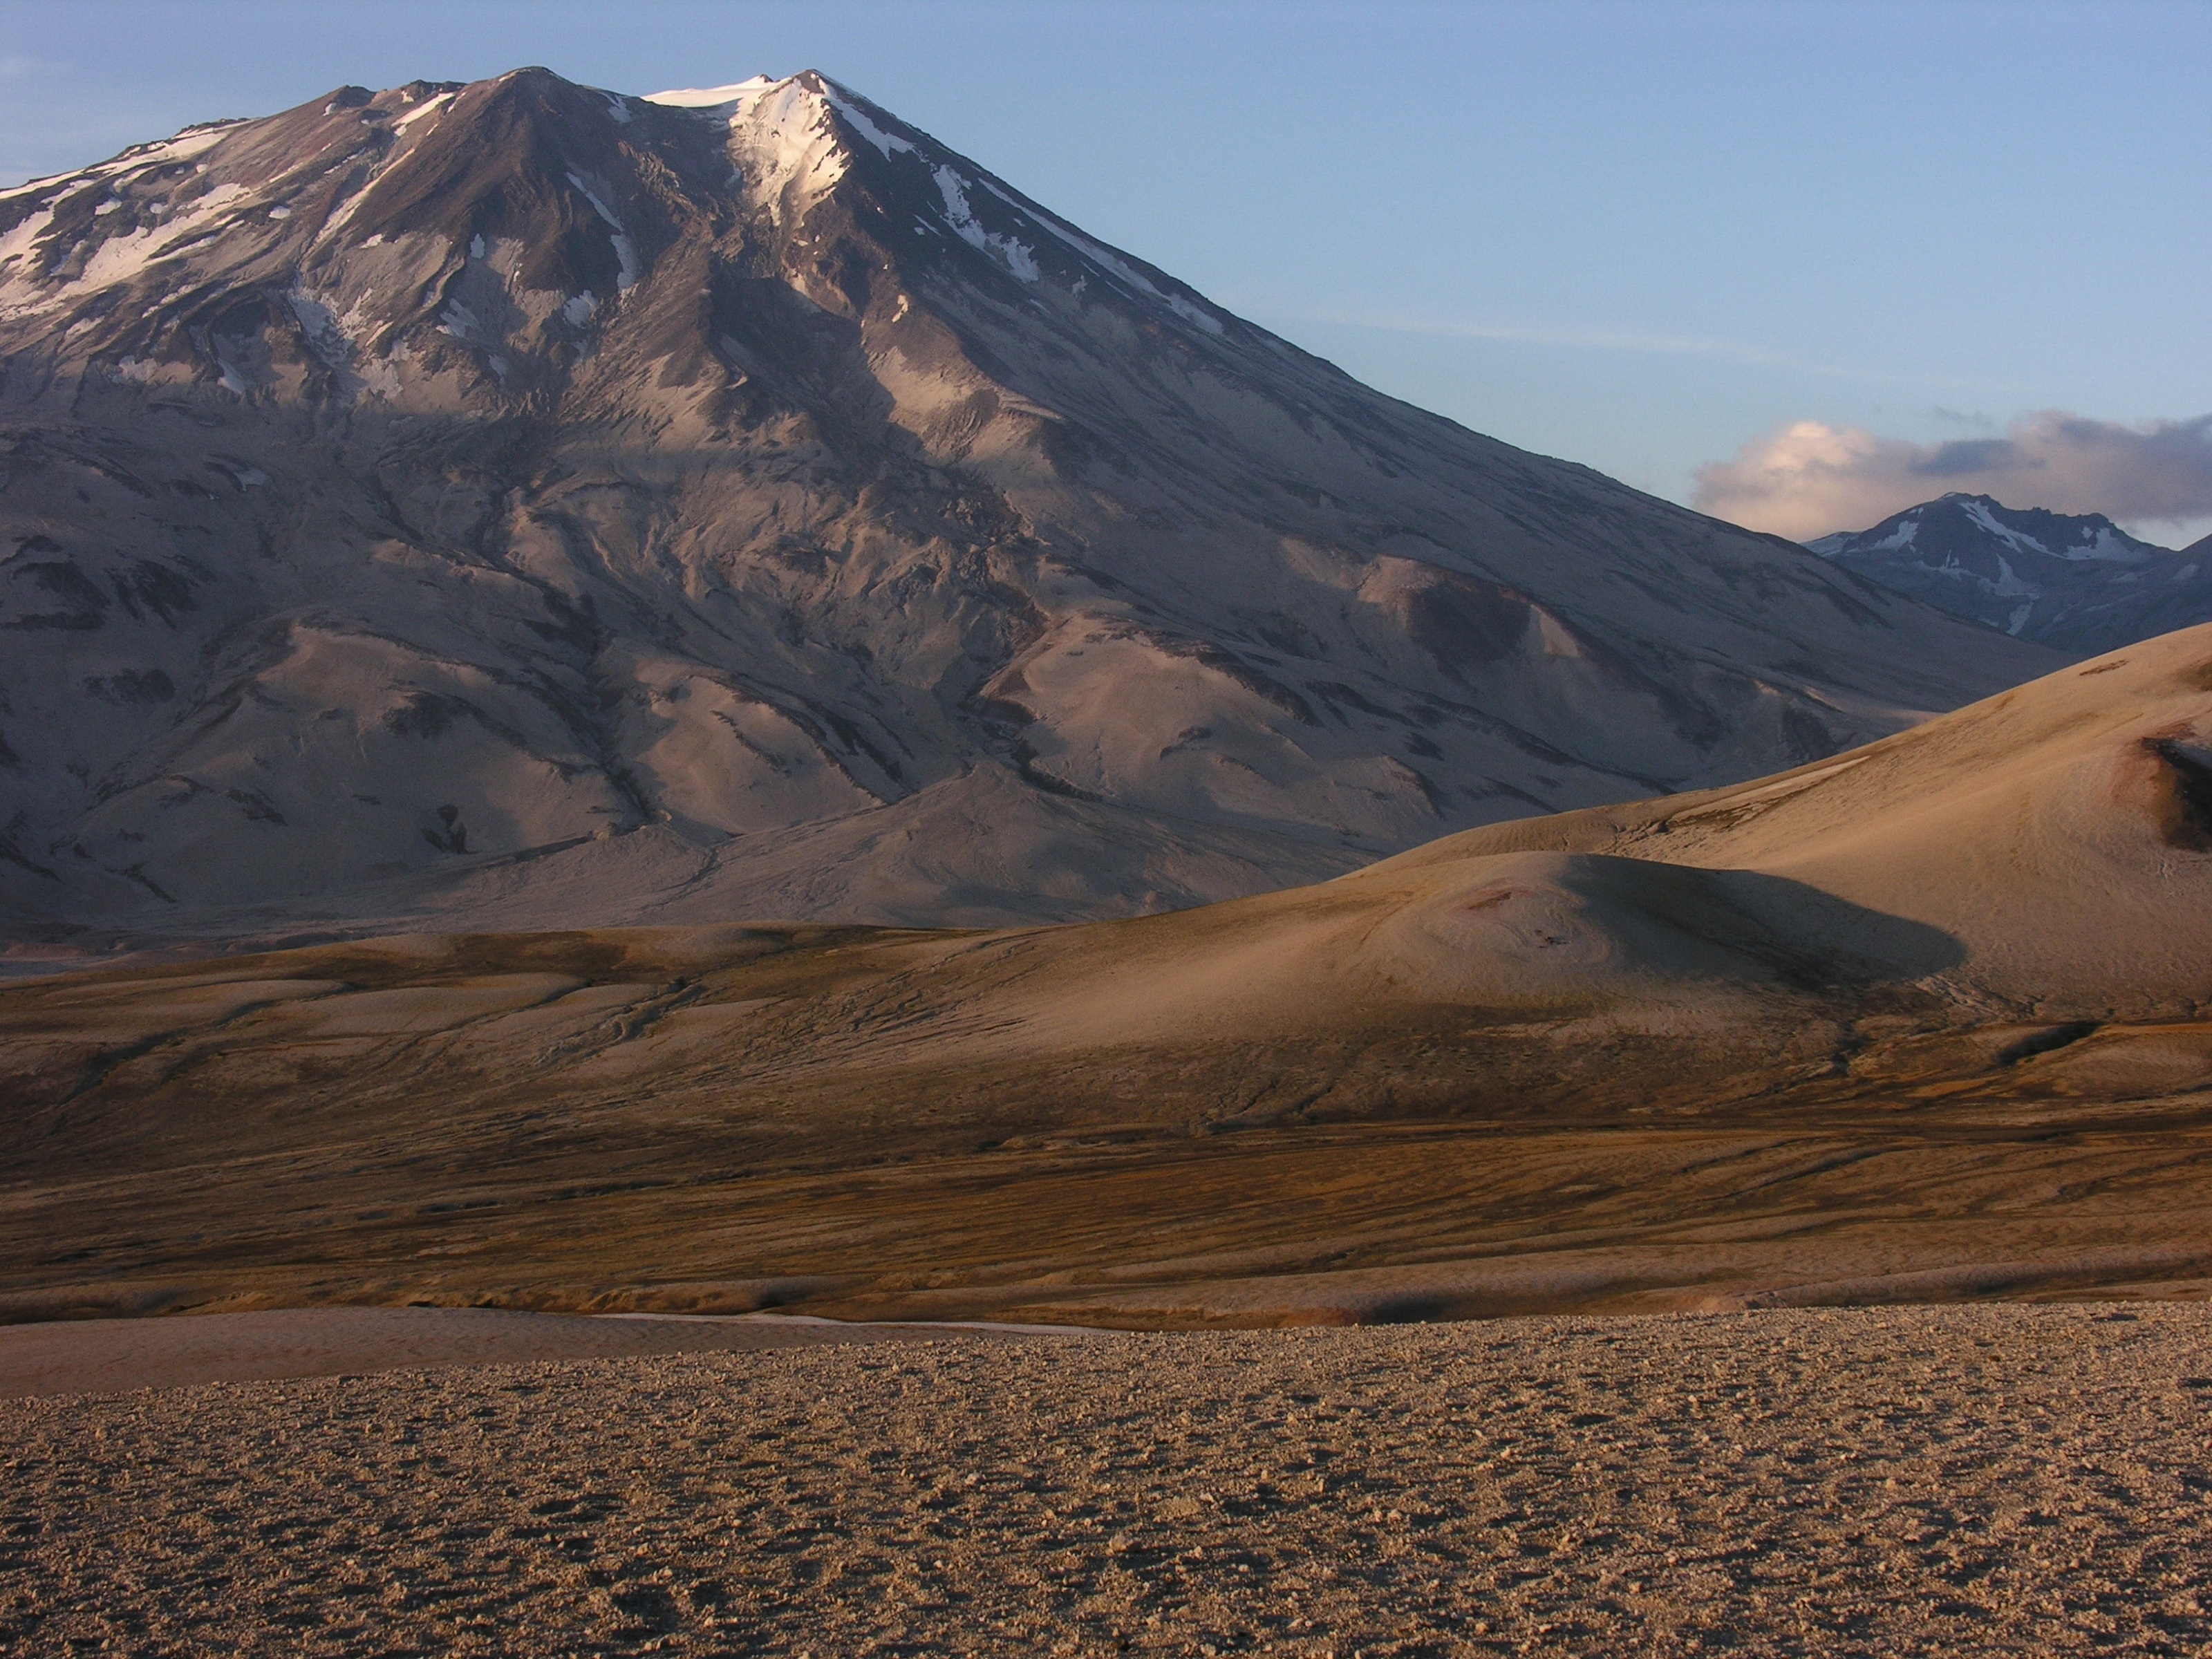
<point x="1959" y="1481"/>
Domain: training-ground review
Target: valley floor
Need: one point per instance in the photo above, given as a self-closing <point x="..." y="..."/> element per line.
<point x="1934" y="1479"/>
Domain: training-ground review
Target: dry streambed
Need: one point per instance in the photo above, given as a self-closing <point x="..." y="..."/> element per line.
<point x="1964" y="1480"/>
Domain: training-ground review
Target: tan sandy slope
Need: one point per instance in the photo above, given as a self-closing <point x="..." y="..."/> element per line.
<point x="2055" y="835"/>
<point x="1927" y="1019"/>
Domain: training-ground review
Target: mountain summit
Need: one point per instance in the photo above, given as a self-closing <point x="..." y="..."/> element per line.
<point x="516" y="502"/>
<point x="2078" y="581"/>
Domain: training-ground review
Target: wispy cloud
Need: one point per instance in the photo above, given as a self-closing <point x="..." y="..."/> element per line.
<point x="1620" y="339"/>
<point x="1809" y="478"/>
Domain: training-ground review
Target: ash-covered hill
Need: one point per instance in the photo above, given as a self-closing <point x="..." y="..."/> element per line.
<point x="516" y="503"/>
<point x="2076" y="581"/>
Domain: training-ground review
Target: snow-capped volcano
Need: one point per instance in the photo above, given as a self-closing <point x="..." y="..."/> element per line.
<point x="302" y="254"/>
<point x="515" y="501"/>
<point x="2078" y="581"/>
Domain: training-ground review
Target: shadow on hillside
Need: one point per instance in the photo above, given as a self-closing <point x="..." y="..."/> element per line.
<point x="1811" y="939"/>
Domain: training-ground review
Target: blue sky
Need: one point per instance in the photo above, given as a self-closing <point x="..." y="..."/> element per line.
<point x="1643" y="236"/>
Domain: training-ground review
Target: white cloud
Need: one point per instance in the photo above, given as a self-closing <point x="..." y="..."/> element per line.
<point x="1808" y="478"/>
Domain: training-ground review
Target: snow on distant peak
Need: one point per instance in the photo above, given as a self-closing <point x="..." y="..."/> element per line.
<point x="712" y="97"/>
<point x="1908" y="527"/>
<point x="784" y="132"/>
<point x="781" y="136"/>
<point x="1976" y="509"/>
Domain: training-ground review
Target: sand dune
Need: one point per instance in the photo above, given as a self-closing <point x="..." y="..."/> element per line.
<point x="1926" y="1020"/>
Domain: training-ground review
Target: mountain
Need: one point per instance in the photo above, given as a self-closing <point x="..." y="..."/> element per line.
<point x="513" y="503"/>
<point x="2080" y="583"/>
<point x="1921" y="1021"/>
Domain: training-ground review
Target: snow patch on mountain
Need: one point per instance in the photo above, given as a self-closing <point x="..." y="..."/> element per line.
<point x="1119" y="270"/>
<point x="1016" y="258"/>
<point x="626" y="257"/>
<point x="325" y="334"/>
<point x="430" y="107"/>
<point x="713" y="98"/>
<point x="1979" y="512"/>
<point x="139" y="158"/>
<point x="857" y="120"/>
<point x="119" y="259"/>
<point x="782" y="139"/>
<point x="18" y="242"/>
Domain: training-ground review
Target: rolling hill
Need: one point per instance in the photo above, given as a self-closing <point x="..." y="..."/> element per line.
<point x="1927" y="1019"/>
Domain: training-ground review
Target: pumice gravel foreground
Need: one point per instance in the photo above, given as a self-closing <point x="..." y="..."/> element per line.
<point x="1931" y="1480"/>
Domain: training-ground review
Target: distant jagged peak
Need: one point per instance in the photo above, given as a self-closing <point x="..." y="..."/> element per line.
<point x="2076" y="580"/>
<point x="1957" y="521"/>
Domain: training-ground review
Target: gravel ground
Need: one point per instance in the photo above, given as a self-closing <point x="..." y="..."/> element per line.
<point x="1963" y="1480"/>
<point x="109" y="1356"/>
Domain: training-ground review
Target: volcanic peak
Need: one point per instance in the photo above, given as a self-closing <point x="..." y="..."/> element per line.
<point x="517" y="494"/>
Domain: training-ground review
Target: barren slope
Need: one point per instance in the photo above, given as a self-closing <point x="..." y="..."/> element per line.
<point x="1928" y="1019"/>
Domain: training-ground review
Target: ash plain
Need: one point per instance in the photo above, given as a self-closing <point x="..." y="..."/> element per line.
<point x="1992" y="1479"/>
